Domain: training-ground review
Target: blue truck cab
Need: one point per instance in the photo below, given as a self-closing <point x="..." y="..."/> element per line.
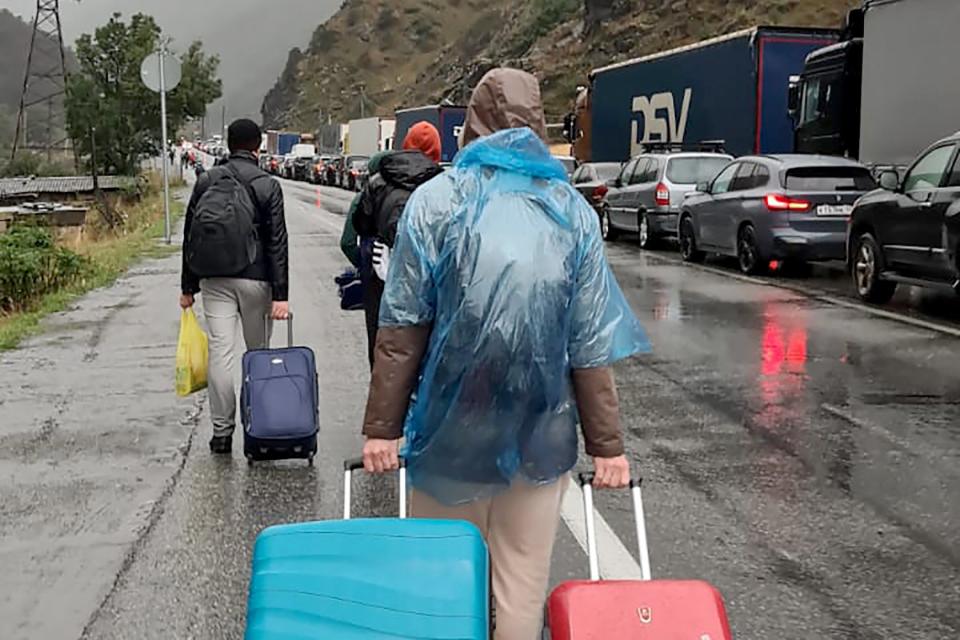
<point x="732" y="88"/>
<point x="447" y="119"/>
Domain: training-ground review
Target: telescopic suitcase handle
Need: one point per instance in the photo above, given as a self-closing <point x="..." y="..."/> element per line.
<point x="355" y="464"/>
<point x="266" y="329"/>
<point x="586" y="484"/>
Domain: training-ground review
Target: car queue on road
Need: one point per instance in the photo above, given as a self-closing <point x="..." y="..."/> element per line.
<point x="770" y="211"/>
<point x="345" y="172"/>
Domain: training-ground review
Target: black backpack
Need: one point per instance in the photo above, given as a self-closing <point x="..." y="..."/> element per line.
<point x="223" y="238"/>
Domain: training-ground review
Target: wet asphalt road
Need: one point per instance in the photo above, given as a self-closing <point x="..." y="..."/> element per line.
<point x="800" y="455"/>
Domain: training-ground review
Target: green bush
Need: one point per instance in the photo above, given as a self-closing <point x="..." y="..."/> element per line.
<point x="32" y="265"/>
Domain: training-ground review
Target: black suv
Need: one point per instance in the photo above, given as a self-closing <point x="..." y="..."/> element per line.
<point x="303" y="168"/>
<point x="908" y="232"/>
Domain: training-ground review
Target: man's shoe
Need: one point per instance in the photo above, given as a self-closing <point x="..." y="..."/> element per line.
<point x="221" y="444"/>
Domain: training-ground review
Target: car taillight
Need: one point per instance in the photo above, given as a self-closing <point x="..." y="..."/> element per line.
<point x="662" y="197"/>
<point x="600" y="192"/>
<point x="777" y="202"/>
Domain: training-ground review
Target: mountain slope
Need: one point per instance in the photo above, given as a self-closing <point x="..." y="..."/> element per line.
<point x="14" y="46"/>
<point x="382" y="54"/>
<point x="368" y="55"/>
<point x="15" y="36"/>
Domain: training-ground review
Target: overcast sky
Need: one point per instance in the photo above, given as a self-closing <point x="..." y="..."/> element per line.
<point x="252" y="37"/>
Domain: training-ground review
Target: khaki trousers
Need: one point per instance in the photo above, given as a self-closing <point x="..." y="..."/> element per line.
<point x="234" y="308"/>
<point x="520" y="527"/>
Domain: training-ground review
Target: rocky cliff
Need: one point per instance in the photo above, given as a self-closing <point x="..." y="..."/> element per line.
<point x="376" y="55"/>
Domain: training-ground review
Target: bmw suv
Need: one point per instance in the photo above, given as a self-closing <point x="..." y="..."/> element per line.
<point x="764" y="209"/>
<point x="908" y="232"/>
<point x="647" y="196"/>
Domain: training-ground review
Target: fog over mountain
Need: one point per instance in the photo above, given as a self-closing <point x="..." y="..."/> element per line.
<point x="252" y="37"/>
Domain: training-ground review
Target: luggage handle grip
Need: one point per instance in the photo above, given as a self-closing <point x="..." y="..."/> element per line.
<point x="355" y="464"/>
<point x="587" y="477"/>
<point x="266" y="329"/>
<point x="585" y="480"/>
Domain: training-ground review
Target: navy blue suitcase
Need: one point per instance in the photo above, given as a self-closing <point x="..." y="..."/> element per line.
<point x="377" y="579"/>
<point x="279" y="403"/>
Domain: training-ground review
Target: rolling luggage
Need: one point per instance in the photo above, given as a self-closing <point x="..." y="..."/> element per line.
<point x="371" y="579"/>
<point x="279" y="402"/>
<point x="633" y="609"/>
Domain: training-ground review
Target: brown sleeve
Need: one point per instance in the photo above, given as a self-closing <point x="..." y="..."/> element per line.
<point x="599" y="407"/>
<point x="396" y="365"/>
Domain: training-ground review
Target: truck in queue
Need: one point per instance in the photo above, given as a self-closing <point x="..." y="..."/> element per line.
<point x="887" y="95"/>
<point x="367" y="136"/>
<point x="287" y="141"/>
<point x="730" y="88"/>
<point x="887" y="90"/>
<point x="280" y="143"/>
<point x="448" y="120"/>
<point x="328" y="139"/>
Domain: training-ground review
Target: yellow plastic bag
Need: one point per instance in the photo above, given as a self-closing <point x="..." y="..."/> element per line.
<point x="191" y="355"/>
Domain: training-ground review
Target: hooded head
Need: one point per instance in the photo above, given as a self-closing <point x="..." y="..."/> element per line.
<point x="373" y="165"/>
<point x="504" y="99"/>
<point x="425" y="138"/>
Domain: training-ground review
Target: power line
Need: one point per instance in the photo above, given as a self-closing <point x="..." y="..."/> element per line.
<point x="44" y="82"/>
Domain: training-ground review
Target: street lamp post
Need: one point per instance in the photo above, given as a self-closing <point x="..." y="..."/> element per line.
<point x="160" y="74"/>
<point x="167" y="230"/>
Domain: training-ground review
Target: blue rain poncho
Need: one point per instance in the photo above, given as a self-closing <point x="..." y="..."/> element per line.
<point x="504" y="259"/>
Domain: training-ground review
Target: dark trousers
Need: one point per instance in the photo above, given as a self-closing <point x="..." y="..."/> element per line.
<point x="372" y="292"/>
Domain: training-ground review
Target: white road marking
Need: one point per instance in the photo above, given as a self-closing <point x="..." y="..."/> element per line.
<point x="891" y="315"/>
<point x="616" y="563"/>
<point x="815" y="294"/>
<point x="899" y="442"/>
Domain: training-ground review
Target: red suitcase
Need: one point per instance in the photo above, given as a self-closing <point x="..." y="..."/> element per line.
<point x="633" y="609"/>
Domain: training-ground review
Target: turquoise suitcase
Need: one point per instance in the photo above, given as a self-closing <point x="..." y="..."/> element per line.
<point x="376" y="579"/>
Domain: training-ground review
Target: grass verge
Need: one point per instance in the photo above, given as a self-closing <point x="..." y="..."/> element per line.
<point x="110" y="256"/>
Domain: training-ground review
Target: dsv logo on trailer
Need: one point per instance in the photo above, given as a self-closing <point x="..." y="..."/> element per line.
<point x="658" y="116"/>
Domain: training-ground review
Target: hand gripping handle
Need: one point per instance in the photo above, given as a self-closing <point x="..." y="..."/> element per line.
<point x="586" y="484"/>
<point x="266" y="330"/>
<point x="355" y="464"/>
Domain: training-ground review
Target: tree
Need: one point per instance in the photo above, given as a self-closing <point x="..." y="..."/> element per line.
<point x="108" y="100"/>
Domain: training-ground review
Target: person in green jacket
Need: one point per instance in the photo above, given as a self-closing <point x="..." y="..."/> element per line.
<point x="348" y="238"/>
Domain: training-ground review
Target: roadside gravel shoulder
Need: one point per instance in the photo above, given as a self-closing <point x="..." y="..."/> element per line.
<point x="91" y="437"/>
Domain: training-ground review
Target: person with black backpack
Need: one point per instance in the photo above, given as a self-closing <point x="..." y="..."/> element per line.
<point x="235" y="254"/>
<point x="380" y="208"/>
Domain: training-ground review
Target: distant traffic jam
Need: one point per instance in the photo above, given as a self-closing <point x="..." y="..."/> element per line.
<point x="806" y="158"/>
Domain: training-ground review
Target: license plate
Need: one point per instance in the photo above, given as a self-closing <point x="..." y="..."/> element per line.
<point x="834" y="210"/>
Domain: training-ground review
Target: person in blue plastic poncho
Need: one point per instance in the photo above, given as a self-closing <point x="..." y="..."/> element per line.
<point x="498" y="326"/>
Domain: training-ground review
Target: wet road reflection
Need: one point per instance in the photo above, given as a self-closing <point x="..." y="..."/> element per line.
<point x="807" y="452"/>
<point x="800" y="455"/>
<point x="831" y="278"/>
